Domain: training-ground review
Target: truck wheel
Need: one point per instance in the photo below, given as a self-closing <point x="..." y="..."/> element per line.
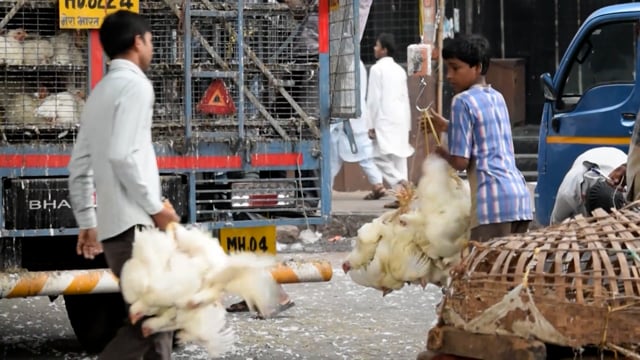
<point x="95" y="318"/>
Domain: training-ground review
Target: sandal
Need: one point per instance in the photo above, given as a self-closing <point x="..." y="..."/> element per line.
<point x="281" y="307"/>
<point x="392" y="205"/>
<point x="238" y="307"/>
<point x="376" y="194"/>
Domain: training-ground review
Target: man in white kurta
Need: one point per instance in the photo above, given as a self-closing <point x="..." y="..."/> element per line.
<point x="389" y="111"/>
<point x="341" y="148"/>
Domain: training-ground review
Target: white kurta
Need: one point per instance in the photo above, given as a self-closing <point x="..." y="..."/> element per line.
<point x="359" y="127"/>
<point x="389" y="109"/>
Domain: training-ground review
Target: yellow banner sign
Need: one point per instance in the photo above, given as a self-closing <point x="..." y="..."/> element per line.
<point x="88" y="14"/>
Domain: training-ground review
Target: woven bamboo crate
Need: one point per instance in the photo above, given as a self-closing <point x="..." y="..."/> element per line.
<point x="574" y="284"/>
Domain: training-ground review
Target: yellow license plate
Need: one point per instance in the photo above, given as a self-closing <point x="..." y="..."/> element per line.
<point x="255" y="239"/>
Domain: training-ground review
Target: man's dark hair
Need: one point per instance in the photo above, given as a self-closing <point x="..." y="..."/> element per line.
<point x="119" y="30"/>
<point x="470" y="49"/>
<point x="388" y="43"/>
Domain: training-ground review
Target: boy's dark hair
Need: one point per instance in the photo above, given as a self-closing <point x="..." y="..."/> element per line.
<point x="388" y="43"/>
<point x="119" y="30"/>
<point x="470" y="49"/>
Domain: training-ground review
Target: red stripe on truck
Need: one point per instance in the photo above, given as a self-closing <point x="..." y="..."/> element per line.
<point x="164" y="162"/>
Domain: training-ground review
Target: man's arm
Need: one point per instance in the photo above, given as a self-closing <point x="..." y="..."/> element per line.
<point x="373" y="96"/>
<point x="132" y="112"/>
<point x="81" y="189"/>
<point x="81" y="186"/>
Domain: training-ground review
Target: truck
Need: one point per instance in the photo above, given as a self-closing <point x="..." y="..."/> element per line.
<point x="592" y="99"/>
<point x="244" y="93"/>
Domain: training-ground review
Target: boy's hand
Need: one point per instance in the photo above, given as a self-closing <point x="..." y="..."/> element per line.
<point x="444" y="153"/>
<point x="372" y="134"/>
<point x="440" y="124"/>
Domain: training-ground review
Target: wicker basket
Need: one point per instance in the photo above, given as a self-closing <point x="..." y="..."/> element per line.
<point x="574" y="284"/>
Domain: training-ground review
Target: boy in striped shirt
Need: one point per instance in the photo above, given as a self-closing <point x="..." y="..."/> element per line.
<point x="480" y="142"/>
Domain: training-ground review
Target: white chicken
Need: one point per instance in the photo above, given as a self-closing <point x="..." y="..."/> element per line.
<point x="445" y="205"/>
<point x="65" y="51"/>
<point x="63" y="108"/>
<point x="20" y="109"/>
<point x="416" y="246"/>
<point x="180" y="277"/>
<point x="243" y="274"/>
<point x="37" y="52"/>
<point x="11" y="47"/>
<point x="204" y="325"/>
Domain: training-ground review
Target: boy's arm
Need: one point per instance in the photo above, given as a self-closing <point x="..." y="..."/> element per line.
<point x="460" y="136"/>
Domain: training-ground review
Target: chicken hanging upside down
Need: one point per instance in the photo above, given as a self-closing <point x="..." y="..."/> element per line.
<point x="179" y="278"/>
<point x="415" y="246"/>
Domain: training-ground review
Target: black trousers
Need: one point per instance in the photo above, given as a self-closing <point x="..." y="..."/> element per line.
<point x="129" y="342"/>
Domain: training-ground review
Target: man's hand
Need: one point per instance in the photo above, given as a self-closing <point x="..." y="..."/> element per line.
<point x="372" y="134"/>
<point x="88" y="244"/>
<point x="166" y="216"/>
<point x="617" y="177"/>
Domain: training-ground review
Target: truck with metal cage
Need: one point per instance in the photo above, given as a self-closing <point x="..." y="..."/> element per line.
<point x="244" y="94"/>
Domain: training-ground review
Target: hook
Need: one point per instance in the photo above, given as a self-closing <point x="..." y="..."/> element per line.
<point x="423" y="86"/>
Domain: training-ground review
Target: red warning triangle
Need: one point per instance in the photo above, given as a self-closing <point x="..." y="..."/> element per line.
<point x="216" y="100"/>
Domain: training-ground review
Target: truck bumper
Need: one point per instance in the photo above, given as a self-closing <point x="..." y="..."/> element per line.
<point x="77" y="282"/>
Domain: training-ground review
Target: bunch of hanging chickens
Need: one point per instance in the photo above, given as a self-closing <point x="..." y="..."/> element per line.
<point x="175" y="281"/>
<point x="421" y="241"/>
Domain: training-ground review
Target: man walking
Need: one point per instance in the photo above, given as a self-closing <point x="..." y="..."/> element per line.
<point x="341" y="147"/>
<point x="114" y="150"/>
<point x="389" y="111"/>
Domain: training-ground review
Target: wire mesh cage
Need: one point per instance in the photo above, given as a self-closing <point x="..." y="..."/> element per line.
<point x="574" y="284"/>
<point x="280" y="52"/>
<point x="344" y="55"/>
<point x="43" y="72"/>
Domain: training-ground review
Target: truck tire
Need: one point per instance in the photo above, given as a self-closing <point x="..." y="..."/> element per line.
<point x="95" y="318"/>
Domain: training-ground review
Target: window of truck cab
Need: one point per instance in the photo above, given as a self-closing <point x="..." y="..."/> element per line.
<point x="605" y="56"/>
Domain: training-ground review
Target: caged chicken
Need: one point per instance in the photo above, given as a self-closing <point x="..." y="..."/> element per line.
<point x="179" y="278"/>
<point x="37" y="51"/>
<point x="419" y="245"/>
<point x="63" y="108"/>
<point x="11" y="46"/>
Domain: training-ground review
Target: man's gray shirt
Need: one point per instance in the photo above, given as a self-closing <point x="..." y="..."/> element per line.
<point x="114" y="155"/>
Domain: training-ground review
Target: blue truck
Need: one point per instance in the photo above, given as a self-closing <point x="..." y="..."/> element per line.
<point x="592" y="99"/>
<point x="244" y="95"/>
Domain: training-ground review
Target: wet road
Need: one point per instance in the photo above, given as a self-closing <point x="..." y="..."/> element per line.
<point x="334" y="320"/>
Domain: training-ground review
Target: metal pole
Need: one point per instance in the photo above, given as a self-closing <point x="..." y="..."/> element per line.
<point x="241" y="69"/>
<point x="356" y="55"/>
<point x="187" y="72"/>
<point x="77" y="282"/>
<point x="324" y="94"/>
<point x="439" y="95"/>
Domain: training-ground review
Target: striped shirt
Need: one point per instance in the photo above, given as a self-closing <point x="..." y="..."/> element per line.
<point x="480" y="130"/>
